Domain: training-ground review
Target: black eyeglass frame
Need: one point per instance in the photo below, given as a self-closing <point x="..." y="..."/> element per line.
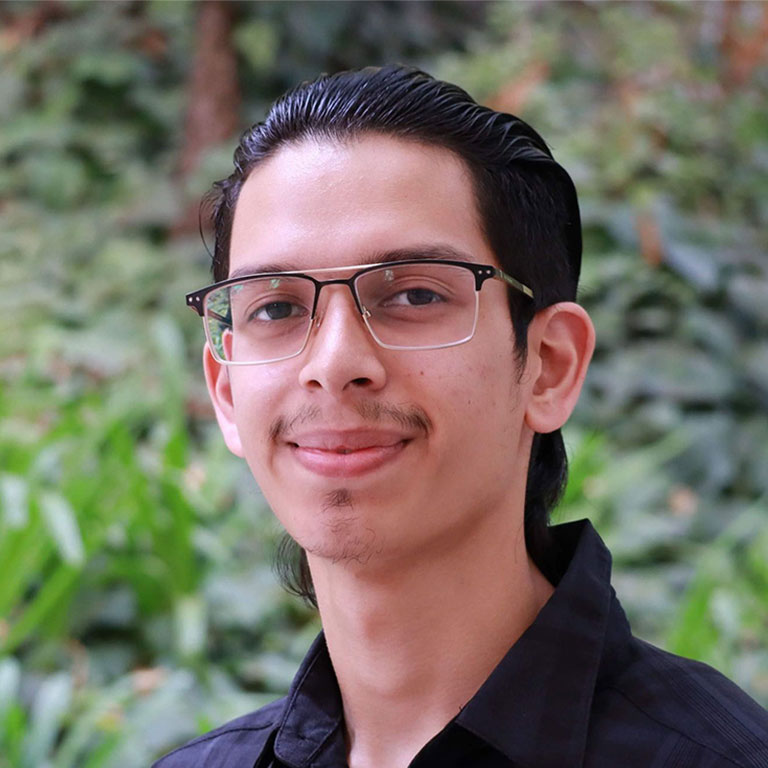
<point x="482" y="272"/>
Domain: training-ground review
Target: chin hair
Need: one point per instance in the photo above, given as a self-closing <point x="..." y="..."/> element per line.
<point x="340" y="498"/>
<point x="343" y="541"/>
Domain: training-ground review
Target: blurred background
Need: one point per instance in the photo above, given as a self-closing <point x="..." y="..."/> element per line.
<point x="137" y="603"/>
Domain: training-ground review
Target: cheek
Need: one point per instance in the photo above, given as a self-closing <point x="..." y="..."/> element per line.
<point x="491" y="404"/>
<point x="256" y="406"/>
<point x="473" y="402"/>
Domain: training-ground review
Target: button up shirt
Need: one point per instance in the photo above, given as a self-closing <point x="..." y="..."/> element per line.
<point x="576" y="690"/>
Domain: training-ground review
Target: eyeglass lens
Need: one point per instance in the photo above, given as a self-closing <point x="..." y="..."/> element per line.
<point x="405" y="306"/>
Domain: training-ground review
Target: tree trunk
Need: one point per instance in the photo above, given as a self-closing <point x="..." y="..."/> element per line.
<point x="213" y="95"/>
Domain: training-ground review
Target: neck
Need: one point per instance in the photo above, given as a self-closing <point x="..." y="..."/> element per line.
<point x="412" y="642"/>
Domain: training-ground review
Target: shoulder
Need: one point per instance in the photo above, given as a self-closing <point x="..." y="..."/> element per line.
<point x="703" y="718"/>
<point x="231" y="745"/>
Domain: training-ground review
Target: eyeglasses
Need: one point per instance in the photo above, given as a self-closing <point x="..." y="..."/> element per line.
<point x="414" y="304"/>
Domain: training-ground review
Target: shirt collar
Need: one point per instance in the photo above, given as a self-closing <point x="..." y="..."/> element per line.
<point x="535" y="706"/>
<point x="313" y="712"/>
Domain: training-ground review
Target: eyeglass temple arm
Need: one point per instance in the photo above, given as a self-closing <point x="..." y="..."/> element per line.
<point x="220" y="318"/>
<point x="514" y="283"/>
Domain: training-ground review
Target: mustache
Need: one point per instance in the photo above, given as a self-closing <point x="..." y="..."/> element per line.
<point x="408" y="417"/>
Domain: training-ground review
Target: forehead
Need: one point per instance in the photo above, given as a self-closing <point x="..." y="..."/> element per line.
<point x="322" y="204"/>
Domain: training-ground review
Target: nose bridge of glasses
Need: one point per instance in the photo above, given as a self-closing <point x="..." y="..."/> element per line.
<point x="349" y="282"/>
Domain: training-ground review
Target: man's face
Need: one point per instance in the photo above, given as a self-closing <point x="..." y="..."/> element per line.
<point x="367" y="454"/>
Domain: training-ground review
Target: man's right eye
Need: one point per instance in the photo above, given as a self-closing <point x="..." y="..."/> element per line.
<point x="278" y="310"/>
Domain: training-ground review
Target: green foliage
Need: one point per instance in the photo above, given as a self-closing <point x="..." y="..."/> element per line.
<point x="137" y="605"/>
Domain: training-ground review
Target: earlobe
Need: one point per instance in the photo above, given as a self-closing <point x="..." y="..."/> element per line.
<point x="218" y="379"/>
<point x="561" y="340"/>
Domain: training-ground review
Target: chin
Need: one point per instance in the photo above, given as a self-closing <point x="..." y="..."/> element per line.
<point x="346" y="544"/>
<point x="331" y="527"/>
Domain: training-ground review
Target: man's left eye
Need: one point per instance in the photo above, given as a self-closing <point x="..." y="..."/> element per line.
<point x="414" y="297"/>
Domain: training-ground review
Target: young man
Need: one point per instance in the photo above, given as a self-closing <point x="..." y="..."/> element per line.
<point x="393" y="346"/>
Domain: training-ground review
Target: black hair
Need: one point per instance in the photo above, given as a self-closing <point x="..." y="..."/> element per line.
<point x="528" y="210"/>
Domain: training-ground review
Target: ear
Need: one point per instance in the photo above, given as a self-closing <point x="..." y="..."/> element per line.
<point x="220" y="390"/>
<point x="561" y="340"/>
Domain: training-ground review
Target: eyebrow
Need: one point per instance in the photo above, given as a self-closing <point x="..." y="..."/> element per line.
<point x="426" y="252"/>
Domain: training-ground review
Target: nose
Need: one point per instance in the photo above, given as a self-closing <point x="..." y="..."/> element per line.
<point x="341" y="354"/>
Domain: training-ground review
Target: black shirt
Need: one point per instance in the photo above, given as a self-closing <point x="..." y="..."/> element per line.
<point x="576" y="690"/>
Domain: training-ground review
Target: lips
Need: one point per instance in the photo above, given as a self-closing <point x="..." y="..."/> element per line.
<point x="332" y="453"/>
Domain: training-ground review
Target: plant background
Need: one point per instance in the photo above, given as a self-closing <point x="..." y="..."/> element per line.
<point x="137" y="604"/>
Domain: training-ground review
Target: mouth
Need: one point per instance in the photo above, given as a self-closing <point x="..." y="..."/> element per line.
<point x="347" y="454"/>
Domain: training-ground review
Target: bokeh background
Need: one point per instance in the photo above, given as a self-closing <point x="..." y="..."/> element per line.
<point x="137" y="604"/>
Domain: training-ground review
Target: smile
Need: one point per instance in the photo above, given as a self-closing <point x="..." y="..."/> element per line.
<point x="348" y="454"/>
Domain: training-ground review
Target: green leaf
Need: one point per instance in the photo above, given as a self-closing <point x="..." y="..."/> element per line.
<point x="63" y="527"/>
<point x="49" y="710"/>
<point x="14" y="501"/>
<point x="10" y="681"/>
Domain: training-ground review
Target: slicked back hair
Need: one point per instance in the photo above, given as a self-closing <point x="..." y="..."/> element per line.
<point x="527" y="206"/>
